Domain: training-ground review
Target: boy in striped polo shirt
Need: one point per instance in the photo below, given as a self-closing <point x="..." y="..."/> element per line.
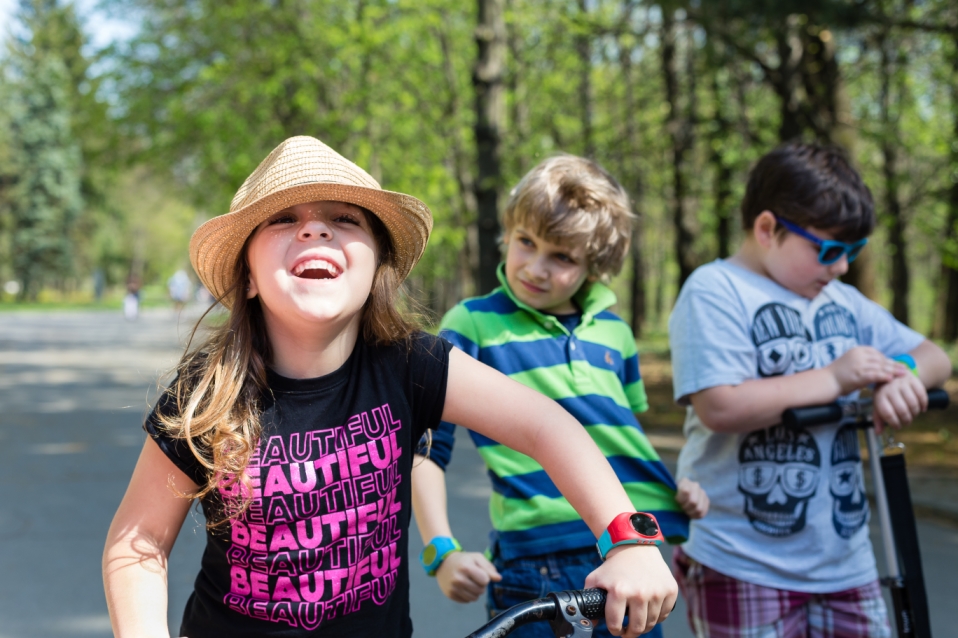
<point x="567" y="226"/>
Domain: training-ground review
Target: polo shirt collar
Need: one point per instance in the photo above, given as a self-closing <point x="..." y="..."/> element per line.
<point x="591" y="298"/>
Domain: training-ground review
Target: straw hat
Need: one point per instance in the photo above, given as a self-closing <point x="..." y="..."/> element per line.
<point x="300" y="170"/>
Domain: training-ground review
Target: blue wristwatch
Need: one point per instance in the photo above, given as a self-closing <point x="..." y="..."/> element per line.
<point x="436" y="551"/>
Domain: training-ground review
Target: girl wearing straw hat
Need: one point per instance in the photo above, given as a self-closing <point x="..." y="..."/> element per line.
<point x="295" y="422"/>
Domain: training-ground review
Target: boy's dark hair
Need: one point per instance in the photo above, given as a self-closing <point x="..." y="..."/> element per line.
<point x="812" y="186"/>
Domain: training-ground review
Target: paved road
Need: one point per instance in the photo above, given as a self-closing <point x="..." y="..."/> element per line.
<point x="74" y="388"/>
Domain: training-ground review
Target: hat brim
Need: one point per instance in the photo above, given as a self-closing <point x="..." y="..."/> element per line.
<point x="216" y="245"/>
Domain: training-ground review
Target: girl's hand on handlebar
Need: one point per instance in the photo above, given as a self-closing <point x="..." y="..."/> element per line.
<point x="635" y="576"/>
<point x="899" y="401"/>
<point x="463" y="576"/>
<point x="692" y="498"/>
<point x="862" y="366"/>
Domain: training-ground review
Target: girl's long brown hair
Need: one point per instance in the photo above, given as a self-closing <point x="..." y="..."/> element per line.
<point x="220" y="384"/>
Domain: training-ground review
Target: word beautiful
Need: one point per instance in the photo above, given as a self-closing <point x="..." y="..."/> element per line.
<point x="321" y="534"/>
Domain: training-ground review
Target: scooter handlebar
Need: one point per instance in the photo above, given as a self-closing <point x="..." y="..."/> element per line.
<point x="830" y="413"/>
<point x="938" y="399"/>
<point x="812" y="415"/>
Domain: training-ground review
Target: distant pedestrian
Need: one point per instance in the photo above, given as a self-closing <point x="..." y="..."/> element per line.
<point x="99" y="284"/>
<point x="180" y="288"/>
<point x="203" y="296"/>
<point x="131" y="302"/>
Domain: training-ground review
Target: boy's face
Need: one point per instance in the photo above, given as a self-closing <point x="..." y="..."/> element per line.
<point x="544" y="275"/>
<point x="792" y="261"/>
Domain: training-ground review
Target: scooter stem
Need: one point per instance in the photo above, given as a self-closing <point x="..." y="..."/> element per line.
<point x="881" y="504"/>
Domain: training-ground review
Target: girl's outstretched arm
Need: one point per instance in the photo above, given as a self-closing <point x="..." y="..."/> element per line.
<point x="139" y="542"/>
<point x="485" y="400"/>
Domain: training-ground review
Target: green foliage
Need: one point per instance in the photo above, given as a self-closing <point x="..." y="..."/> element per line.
<point x="206" y="89"/>
<point x="54" y="148"/>
<point x="45" y="201"/>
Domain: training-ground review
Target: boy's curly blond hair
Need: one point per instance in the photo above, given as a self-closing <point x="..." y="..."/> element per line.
<point x="573" y="201"/>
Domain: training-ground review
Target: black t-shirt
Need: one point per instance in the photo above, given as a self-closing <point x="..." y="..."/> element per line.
<point x="322" y="551"/>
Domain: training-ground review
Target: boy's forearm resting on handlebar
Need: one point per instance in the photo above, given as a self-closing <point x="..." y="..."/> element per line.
<point x="934" y="367"/>
<point x="758" y="403"/>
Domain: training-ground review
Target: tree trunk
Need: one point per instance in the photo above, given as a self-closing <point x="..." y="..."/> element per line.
<point x="520" y="102"/>
<point x="466" y="211"/>
<point x="949" y="271"/>
<point x="896" y="222"/>
<point x="637" y="288"/>
<point x="948" y="311"/>
<point x="720" y="135"/>
<point x="583" y="47"/>
<point x="488" y="82"/>
<point x="788" y="81"/>
<point x="678" y="131"/>
<point x="828" y="117"/>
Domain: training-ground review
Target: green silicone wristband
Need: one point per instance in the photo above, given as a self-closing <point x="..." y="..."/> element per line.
<point x="908" y="361"/>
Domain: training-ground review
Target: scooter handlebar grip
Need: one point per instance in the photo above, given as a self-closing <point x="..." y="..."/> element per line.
<point x="812" y="415"/>
<point x="938" y="399"/>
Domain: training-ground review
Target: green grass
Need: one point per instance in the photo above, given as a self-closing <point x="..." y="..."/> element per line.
<point x="53" y="301"/>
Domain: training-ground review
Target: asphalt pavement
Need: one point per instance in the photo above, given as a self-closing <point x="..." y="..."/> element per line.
<point x="74" y="388"/>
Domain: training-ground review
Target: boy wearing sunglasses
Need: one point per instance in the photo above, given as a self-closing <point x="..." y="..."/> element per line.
<point x="784" y="550"/>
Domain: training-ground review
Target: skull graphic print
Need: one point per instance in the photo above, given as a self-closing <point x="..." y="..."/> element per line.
<point x="850" y="509"/>
<point x="778" y="474"/>
<point x="836" y="332"/>
<point x="782" y="342"/>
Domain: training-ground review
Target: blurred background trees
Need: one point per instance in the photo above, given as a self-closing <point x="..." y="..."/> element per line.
<point x="110" y="157"/>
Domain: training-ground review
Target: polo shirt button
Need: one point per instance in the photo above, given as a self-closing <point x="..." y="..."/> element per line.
<point x="543" y="570"/>
<point x="572" y="346"/>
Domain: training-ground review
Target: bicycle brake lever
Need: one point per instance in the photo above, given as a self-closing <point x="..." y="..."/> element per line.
<point x="570" y="622"/>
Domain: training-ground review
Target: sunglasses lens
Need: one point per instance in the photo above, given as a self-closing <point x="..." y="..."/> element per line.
<point x="831" y="254"/>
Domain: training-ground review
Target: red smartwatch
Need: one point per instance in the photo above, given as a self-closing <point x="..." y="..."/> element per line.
<point x="630" y="528"/>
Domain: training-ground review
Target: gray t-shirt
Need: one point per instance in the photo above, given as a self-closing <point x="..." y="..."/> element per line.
<point x="788" y="507"/>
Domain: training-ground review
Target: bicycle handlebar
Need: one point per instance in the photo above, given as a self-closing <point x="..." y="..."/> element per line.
<point x="830" y="413"/>
<point x="590" y="603"/>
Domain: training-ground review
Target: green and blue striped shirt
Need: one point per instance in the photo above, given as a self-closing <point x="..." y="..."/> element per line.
<point x="592" y="372"/>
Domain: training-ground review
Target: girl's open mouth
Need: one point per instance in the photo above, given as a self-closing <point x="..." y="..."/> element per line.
<point x="316" y="269"/>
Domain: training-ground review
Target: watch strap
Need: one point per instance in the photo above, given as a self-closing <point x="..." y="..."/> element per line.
<point x="606" y="541"/>
<point x="436" y="551"/>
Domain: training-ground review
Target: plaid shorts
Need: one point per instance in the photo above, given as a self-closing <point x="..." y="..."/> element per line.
<point x="720" y="606"/>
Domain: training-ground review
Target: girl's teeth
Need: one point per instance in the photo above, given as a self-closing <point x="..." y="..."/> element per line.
<point x="316" y="265"/>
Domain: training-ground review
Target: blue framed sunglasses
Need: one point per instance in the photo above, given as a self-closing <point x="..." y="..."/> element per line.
<point x="830" y="250"/>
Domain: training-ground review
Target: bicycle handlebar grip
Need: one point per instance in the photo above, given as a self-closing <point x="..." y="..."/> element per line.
<point x="592" y="603"/>
<point x="938" y="399"/>
<point x="812" y="415"/>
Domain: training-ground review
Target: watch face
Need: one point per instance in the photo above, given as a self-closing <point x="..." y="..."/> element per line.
<point x="644" y="524"/>
<point x="429" y="554"/>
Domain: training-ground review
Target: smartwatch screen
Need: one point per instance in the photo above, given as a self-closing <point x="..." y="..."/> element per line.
<point x="644" y="524"/>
